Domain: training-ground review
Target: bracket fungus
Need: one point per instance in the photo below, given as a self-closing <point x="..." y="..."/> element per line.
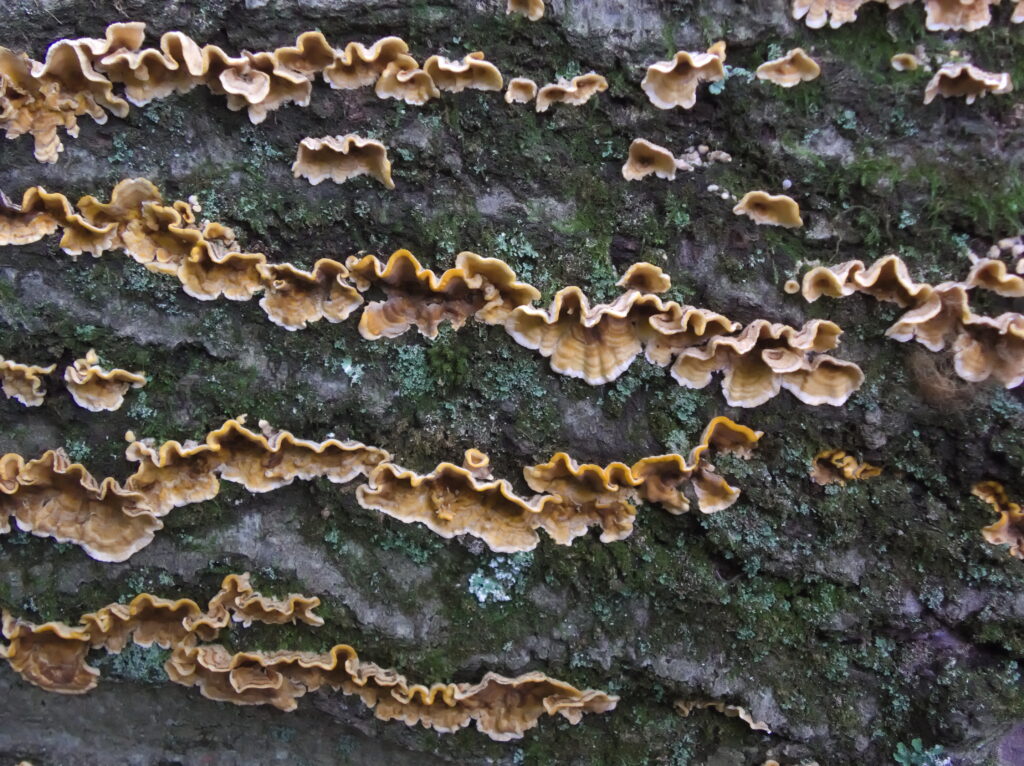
<point x="770" y="210"/>
<point x="673" y="83"/>
<point x="686" y="707"/>
<point x="293" y="297"/>
<point x="765" y="358"/>
<point x="993" y="275"/>
<point x="790" y="70"/>
<point x="97" y="389"/>
<point x="575" y="92"/>
<point x="834" y="466"/>
<point x="1009" y="529"/>
<point x="485" y="288"/>
<point x="53" y="656"/>
<point x="23" y="381"/>
<point x="473" y="73"/>
<point x="409" y="84"/>
<point x="531" y="9"/>
<point x="340" y="158"/>
<point x="521" y="90"/>
<point x="963" y="15"/>
<point x="905" y="62"/>
<point x="356" y="66"/>
<point x="646" y="158"/>
<point x="955" y="80"/>
<point x="816" y="13"/>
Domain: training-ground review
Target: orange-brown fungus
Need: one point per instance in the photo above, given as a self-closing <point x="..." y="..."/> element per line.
<point x="24" y="381"/>
<point x="340" y="158"/>
<point x="961" y="80"/>
<point x="673" y="83"/>
<point x="790" y="70"/>
<point x="473" y="73"/>
<point x="575" y="92"/>
<point x="531" y="9"/>
<point x="97" y="389"/>
<point x="686" y="707"/>
<point x="834" y="466"/>
<point x="1009" y="529"/>
<point x="770" y="209"/>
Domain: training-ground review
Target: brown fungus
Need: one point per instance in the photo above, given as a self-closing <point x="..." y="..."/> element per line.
<point x="340" y="158"/>
<point x="673" y="83"/>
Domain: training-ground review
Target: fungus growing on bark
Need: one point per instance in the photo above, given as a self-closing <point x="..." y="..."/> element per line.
<point x="521" y="90"/>
<point x="905" y="62"/>
<point x="834" y="466"/>
<point x="53" y="497"/>
<point x="575" y="92"/>
<point x="765" y="358"/>
<point x="686" y="707"/>
<point x="473" y="73"/>
<point x="646" y="158"/>
<point x="239" y="600"/>
<point x="357" y="65"/>
<point x="955" y="80"/>
<point x="1009" y="529"/>
<point x="964" y="15"/>
<point x="887" y="279"/>
<point x="409" y="84"/>
<point x="673" y="83"/>
<point x="51" y="656"/>
<point x="482" y="287"/>
<point x="531" y="9"/>
<point x="790" y="70"/>
<point x="97" y="389"/>
<point x="23" y="381"/>
<point x="770" y="210"/>
<point x="816" y="13"/>
<point x="340" y="158"/>
<point x="452" y="501"/>
<point x="991" y="347"/>
<point x="293" y="297"/>
<point x="993" y="275"/>
<point x="645" y="278"/>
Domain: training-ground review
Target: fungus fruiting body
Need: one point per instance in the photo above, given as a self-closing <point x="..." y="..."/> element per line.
<point x="24" y="382"/>
<point x="1009" y="529"/>
<point x="770" y="209"/>
<point x="340" y="158"/>
<point x="790" y="70"/>
<point x="961" y="80"/>
<point x="836" y="467"/>
<point x="575" y="92"/>
<point x="97" y="389"/>
<point x="531" y="9"/>
<point x="673" y="83"/>
<point x="686" y="707"/>
<point x="473" y="72"/>
<point x="521" y="90"/>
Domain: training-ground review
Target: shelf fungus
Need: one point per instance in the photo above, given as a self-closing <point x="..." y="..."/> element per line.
<point x="962" y="15"/>
<point x="905" y="62"/>
<point x="673" y="83"/>
<point x="24" y="382"/>
<point x="473" y="73"/>
<point x="887" y="279"/>
<point x="765" y="358"/>
<point x="409" y="84"/>
<point x="531" y="9"/>
<point x="993" y="275"/>
<point x="790" y="70"/>
<point x="485" y="288"/>
<point x="835" y="13"/>
<point x="357" y="66"/>
<point x="293" y="297"/>
<point x="1009" y="529"/>
<point x="646" y="158"/>
<point x="686" y="707"/>
<point x="833" y="466"/>
<point x="770" y="209"/>
<point x="340" y="158"/>
<point x="174" y="474"/>
<point x="97" y="389"/>
<point x="521" y="90"/>
<point x="53" y="497"/>
<point x="575" y="92"/>
<point x="962" y="80"/>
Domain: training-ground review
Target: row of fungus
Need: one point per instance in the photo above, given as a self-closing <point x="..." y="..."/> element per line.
<point x="53" y="656"/>
<point x="594" y="342"/>
<point x="91" y="386"/>
<point x="52" y="497"/>
<point x="78" y="76"/>
<point x="941" y="15"/>
<point x="571" y="497"/>
<point x="340" y="158"/>
<point x="938" y="316"/>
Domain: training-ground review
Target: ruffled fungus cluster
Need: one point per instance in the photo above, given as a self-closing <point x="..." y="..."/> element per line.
<point x="962" y="80"/>
<point x="833" y="466"/>
<point x="52" y="497"/>
<point x="78" y="77"/>
<point x="90" y="385"/>
<point x="673" y="83"/>
<point x="340" y="158"/>
<point x="942" y="15"/>
<point x="597" y="343"/>
<point x="1009" y="529"/>
<point x="575" y="92"/>
<point x="939" y="316"/>
<point x="790" y="70"/>
<point x="53" y="656"/>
